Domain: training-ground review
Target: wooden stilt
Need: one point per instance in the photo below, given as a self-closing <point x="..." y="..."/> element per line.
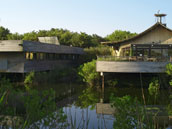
<point x="102" y="89"/>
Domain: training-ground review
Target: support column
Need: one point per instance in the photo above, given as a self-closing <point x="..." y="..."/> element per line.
<point x="102" y="89"/>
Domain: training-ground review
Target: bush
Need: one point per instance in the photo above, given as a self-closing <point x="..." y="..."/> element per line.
<point x="88" y="73"/>
<point x="29" y="78"/>
<point x="39" y="108"/>
<point x="92" y="53"/>
<point x="154" y="87"/>
<point x="130" y="114"/>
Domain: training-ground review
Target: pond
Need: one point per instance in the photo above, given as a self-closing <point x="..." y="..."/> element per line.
<point x="83" y="105"/>
<point x="87" y="107"/>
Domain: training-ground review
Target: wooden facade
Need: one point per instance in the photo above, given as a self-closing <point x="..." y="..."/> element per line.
<point x="158" y="34"/>
<point x="148" y="52"/>
<point x="18" y="56"/>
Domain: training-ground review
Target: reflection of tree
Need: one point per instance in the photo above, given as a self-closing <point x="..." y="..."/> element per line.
<point x="88" y="98"/>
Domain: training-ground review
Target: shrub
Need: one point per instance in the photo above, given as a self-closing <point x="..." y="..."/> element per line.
<point x="88" y="73"/>
<point x="154" y="87"/>
<point x="29" y="78"/>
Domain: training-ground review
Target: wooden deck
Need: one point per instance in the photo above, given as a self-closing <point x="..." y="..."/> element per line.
<point x="131" y="67"/>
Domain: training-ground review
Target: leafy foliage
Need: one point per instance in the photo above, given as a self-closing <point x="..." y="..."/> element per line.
<point x="92" y="52"/>
<point x="169" y="72"/>
<point x="88" y="98"/>
<point x="29" y="78"/>
<point x="88" y="73"/>
<point x="154" y="87"/>
<point x="3" y="33"/>
<point x="119" y="35"/>
<point x="169" y="69"/>
<point x="38" y="108"/>
<point x="129" y="114"/>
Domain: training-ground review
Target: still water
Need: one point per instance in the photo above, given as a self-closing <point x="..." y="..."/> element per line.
<point x="80" y="103"/>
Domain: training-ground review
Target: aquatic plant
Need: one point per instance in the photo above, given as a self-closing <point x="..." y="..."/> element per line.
<point x="154" y="88"/>
<point x="130" y="114"/>
<point x="29" y="78"/>
<point x="38" y="108"/>
<point x="88" y="98"/>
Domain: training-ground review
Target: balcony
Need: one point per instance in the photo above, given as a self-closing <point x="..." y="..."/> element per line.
<point x="132" y="64"/>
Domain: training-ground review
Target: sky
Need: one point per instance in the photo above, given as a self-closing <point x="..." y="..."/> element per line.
<point x="100" y="17"/>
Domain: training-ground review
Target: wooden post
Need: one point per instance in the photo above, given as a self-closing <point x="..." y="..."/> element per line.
<point x="102" y="91"/>
<point x="149" y="51"/>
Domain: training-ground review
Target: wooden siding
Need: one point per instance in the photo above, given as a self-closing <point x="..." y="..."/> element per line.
<point x="158" y="35"/>
<point x="50" y="48"/>
<point x="29" y="46"/>
<point x="131" y="67"/>
<point x="12" y="62"/>
<point x="12" y="56"/>
<point x="11" y="45"/>
<point x="46" y="65"/>
<point x="15" y="62"/>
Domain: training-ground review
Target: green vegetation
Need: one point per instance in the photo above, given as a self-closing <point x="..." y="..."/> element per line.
<point x="169" y="73"/>
<point x="130" y="114"/>
<point x="119" y="35"/>
<point x="93" y="52"/>
<point x="67" y="37"/>
<point x="88" y="73"/>
<point x="88" y="98"/>
<point x="29" y="78"/>
<point x="4" y="32"/>
<point x="154" y="87"/>
<point x="28" y="108"/>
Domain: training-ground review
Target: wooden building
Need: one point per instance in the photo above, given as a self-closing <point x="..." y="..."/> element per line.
<point x="148" y="52"/>
<point x="155" y="41"/>
<point x="20" y="56"/>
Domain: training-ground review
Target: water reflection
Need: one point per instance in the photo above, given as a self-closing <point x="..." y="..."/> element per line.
<point x="87" y="118"/>
<point x="88" y="107"/>
<point x="89" y="111"/>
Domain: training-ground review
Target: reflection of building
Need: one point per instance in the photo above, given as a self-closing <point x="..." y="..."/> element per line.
<point x="161" y="116"/>
<point x="148" y="52"/>
<point x="17" y="56"/>
<point x="104" y="108"/>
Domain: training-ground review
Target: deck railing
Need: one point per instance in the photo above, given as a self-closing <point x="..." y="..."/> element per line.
<point x="135" y="58"/>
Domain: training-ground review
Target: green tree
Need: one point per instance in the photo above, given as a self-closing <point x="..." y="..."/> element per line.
<point x="3" y="33"/>
<point x="96" y="40"/>
<point x="32" y="36"/>
<point x="93" y="52"/>
<point x="15" y="36"/>
<point x="119" y="35"/>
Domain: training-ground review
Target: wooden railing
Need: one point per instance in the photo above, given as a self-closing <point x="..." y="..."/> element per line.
<point x="134" y="58"/>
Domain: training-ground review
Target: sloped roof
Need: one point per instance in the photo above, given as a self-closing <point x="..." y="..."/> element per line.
<point x="137" y="36"/>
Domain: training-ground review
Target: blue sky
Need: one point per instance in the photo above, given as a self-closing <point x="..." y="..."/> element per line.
<point x="100" y="17"/>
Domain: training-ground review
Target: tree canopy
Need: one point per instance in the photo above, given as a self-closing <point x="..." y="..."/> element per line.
<point x="67" y="37"/>
<point x="119" y="35"/>
<point x="3" y="33"/>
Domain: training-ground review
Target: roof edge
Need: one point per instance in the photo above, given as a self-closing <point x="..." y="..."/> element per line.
<point x="135" y="37"/>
